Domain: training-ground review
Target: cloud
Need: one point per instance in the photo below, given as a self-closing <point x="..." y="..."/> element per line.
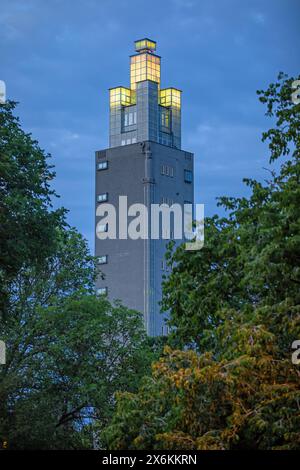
<point x="16" y="20"/>
<point x="225" y="145"/>
<point x="225" y="153"/>
<point x="59" y="58"/>
<point x="258" y="18"/>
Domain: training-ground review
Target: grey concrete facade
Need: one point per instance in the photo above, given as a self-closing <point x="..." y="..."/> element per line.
<point x="144" y="162"/>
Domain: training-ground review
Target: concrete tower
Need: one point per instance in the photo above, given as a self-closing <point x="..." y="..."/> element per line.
<point x="145" y="163"/>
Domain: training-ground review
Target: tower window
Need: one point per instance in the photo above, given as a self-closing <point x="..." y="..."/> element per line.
<point x="165" y="118"/>
<point x="166" y="200"/>
<point x="102" y="259"/>
<point x="129" y="118"/>
<point x="102" y="291"/>
<point x="103" y="165"/>
<point x="188" y="176"/>
<point x="188" y="156"/>
<point x="102" y="197"/>
<point x="164" y="265"/>
<point x="101" y="228"/>
<point x="167" y="170"/>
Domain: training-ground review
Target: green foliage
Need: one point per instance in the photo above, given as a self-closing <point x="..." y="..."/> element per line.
<point x="67" y="351"/>
<point x="235" y="304"/>
<point x="251" y="257"/>
<point x="27" y="225"/>
<point x="64" y="364"/>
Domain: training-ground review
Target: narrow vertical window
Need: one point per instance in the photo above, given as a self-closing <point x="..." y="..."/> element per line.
<point x="188" y="176"/>
<point x="102" y="197"/>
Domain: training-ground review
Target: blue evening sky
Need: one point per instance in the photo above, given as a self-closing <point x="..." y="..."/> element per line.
<point x="59" y="57"/>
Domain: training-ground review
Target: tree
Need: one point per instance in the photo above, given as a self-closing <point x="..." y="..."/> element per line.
<point x="67" y="351"/>
<point x="64" y="364"/>
<point x="251" y="257"/>
<point x="27" y="223"/>
<point x="195" y="402"/>
<point x="235" y="305"/>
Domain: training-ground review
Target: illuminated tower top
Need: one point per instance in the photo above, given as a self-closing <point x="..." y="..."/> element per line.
<point x="144" y="111"/>
<point x="145" y="44"/>
<point x="145" y="65"/>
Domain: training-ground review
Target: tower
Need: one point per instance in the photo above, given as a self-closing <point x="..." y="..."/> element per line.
<point x="145" y="164"/>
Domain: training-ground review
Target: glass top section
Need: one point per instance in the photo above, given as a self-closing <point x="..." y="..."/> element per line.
<point x="145" y="45"/>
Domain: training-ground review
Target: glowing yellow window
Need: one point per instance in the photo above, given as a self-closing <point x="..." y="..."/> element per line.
<point x="170" y="97"/>
<point x="144" y="66"/>
<point x="119" y="96"/>
<point x="145" y="44"/>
